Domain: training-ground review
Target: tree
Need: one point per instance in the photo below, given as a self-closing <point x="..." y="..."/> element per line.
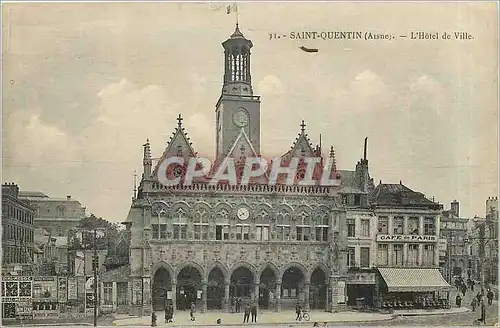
<point x="83" y="238"/>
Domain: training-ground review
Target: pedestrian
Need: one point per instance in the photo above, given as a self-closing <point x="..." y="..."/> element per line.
<point x="489" y="295"/>
<point x="153" y="319"/>
<point x="472" y="285"/>
<point x="473" y="304"/>
<point x="171" y="313"/>
<point x="254" y="313"/>
<point x="298" y="311"/>
<point x="191" y="312"/>
<point x="167" y="315"/>
<point x="483" y="312"/>
<point x="246" y="316"/>
<point x="464" y="289"/>
<point x="458" y="300"/>
<point x="479" y="296"/>
<point x="238" y="304"/>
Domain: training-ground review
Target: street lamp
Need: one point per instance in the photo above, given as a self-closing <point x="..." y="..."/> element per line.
<point x="95" y="265"/>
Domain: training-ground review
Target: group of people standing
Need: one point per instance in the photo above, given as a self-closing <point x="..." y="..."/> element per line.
<point x="249" y="310"/>
<point x="478" y="300"/>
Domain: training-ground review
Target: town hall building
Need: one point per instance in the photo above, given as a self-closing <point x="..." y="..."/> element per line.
<point x="270" y="244"/>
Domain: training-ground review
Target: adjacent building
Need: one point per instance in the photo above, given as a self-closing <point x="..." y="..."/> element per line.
<point x="56" y="215"/>
<point x="407" y="244"/>
<point x="483" y="238"/>
<point x="454" y="230"/>
<point x="17" y="232"/>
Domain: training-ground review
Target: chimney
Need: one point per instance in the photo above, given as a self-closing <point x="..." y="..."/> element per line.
<point x="455" y="208"/>
<point x="68" y="197"/>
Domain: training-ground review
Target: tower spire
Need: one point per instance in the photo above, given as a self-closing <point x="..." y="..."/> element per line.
<point x="364" y="152"/>
<point x="334" y="161"/>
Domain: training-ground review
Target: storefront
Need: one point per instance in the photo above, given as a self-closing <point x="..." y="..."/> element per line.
<point x="362" y="288"/>
<point x="408" y="288"/>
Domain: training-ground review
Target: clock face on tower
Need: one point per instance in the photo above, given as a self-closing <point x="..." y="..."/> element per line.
<point x="240" y="118"/>
<point x="243" y="213"/>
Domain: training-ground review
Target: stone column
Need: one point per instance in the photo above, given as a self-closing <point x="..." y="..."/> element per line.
<point x="256" y="293"/>
<point x="227" y="306"/>
<point x="204" y="296"/>
<point x="390" y="250"/>
<point x="334" y="299"/>
<point x="306" y="296"/>
<point x="174" y="295"/>
<point x="278" y="296"/>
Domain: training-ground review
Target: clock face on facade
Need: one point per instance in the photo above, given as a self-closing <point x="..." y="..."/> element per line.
<point x="240" y="118"/>
<point x="243" y="213"/>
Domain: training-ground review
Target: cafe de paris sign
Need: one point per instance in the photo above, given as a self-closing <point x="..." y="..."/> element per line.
<point x="407" y="238"/>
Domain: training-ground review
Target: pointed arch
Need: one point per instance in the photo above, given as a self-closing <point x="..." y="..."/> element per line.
<point x="166" y="266"/>
<point x="322" y="267"/>
<point x="297" y="265"/>
<point x="223" y="268"/>
<point x="159" y="207"/>
<point x="202" y="204"/>
<point x="192" y="264"/>
<point x="285" y="208"/>
<point x="246" y="265"/>
<point x="180" y="206"/>
<point x="223" y="205"/>
<point x="272" y="267"/>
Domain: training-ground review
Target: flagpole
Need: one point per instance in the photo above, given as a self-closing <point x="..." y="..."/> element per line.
<point x="236" y="8"/>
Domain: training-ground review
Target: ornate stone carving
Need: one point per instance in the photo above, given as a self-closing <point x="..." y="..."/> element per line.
<point x="257" y="254"/>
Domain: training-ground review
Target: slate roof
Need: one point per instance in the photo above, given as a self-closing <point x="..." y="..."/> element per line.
<point x="348" y="182"/>
<point x="386" y="194"/>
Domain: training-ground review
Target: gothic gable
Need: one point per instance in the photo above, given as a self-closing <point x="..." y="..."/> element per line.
<point x="178" y="146"/>
<point x="302" y="147"/>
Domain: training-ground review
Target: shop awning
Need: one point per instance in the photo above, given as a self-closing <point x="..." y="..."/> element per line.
<point x="401" y="280"/>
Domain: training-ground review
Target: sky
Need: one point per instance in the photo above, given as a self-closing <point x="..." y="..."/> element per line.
<point x="85" y="84"/>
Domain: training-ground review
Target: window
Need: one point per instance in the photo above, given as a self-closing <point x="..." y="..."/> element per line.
<point x="397" y="255"/>
<point x="351" y="228"/>
<point x="200" y="225"/>
<point x="413" y="228"/>
<point x="107" y="293"/>
<point x="222" y="232"/>
<point x="428" y="256"/>
<point x="156" y="231"/>
<point x="321" y="233"/>
<point x="413" y="254"/>
<point x="382" y="254"/>
<point x="180" y="231"/>
<point x="429" y="227"/>
<point x="283" y="226"/>
<point x="357" y="200"/>
<point x="60" y="211"/>
<point x="351" y="257"/>
<point x="397" y="225"/>
<point x="163" y="231"/>
<point x="121" y="293"/>
<point x="242" y="232"/>
<point x="365" y="227"/>
<point x="365" y="257"/>
<point x="383" y="227"/>
<point x="303" y="226"/>
<point x="262" y="232"/>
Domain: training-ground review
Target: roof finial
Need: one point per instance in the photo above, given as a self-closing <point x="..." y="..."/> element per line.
<point x="366" y="141"/>
<point x="332" y="155"/>
<point x="179" y="120"/>
<point x="135" y="184"/>
<point x="302" y="126"/>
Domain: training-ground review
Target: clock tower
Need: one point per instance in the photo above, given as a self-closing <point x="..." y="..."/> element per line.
<point x="237" y="108"/>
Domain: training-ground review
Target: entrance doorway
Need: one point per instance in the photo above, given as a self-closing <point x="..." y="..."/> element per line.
<point x="292" y="288"/>
<point x="317" y="293"/>
<point x="161" y="286"/>
<point x="188" y="285"/>
<point x="242" y="284"/>
<point x="215" y="289"/>
<point x="267" y="289"/>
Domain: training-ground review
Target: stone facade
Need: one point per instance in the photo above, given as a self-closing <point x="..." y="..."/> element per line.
<point x="272" y="245"/>
<point x="17" y="231"/>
